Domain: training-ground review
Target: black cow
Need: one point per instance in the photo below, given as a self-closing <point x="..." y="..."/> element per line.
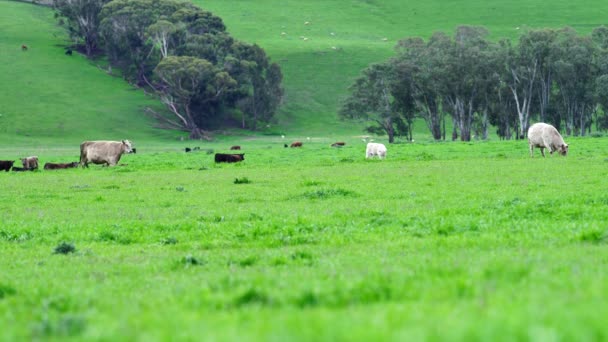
<point x="6" y="165"/>
<point x="59" y="166"/>
<point x="229" y="158"/>
<point x="188" y="149"/>
<point x="19" y="169"/>
<point x="69" y="52"/>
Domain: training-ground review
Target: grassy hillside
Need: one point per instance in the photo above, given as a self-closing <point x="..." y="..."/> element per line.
<point x="46" y="96"/>
<point x="316" y="76"/>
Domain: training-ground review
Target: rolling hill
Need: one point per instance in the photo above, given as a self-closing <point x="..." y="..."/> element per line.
<point x="321" y="46"/>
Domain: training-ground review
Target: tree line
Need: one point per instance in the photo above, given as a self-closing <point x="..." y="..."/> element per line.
<point x="549" y="75"/>
<point x="201" y="74"/>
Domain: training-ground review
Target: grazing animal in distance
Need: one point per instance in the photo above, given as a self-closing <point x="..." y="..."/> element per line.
<point x="188" y="149"/>
<point x="285" y="145"/>
<point x="68" y="52"/>
<point x="296" y="144"/>
<point x="30" y="163"/>
<point x="103" y="152"/>
<point x="375" y="149"/>
<point x="235" y="147"/>
<point x="196" y="148"/>
<point x="6" y="165"/>
<point x="59" y="166"/>
<point x="23" y="47"/>
<point x="19" y="169"/>
<point x="229" y="158"/>
<point x="338" y="144"/>
<point x="543" y="136"/>
<point x="134" y="150"/>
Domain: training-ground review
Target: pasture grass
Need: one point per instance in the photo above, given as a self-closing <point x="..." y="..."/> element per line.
<point x="458" y="241"/>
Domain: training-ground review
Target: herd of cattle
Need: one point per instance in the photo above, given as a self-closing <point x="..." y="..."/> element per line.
<point x="108" y="153"/>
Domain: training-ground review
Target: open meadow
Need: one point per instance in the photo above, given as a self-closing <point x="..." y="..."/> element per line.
<point x="457" y="241"/>
<point x="440" y="241"/>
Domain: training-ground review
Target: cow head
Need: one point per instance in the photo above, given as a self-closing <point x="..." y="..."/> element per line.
<point x="563" y="149"/>
<point x="128" y="148"/>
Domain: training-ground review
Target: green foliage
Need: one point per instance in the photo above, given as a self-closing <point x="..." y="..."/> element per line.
<point x="242" y="180"/>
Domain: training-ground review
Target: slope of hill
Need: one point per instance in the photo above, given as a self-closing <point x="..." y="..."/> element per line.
<point x="316" y="75"/>
<point x="321" y="45"/>
<point x="48" y="96"/>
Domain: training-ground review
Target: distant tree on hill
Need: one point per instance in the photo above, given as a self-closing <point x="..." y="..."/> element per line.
<point x="139" y="35"/>
<point x="186" y="80"/>
<point x="371" y="100"/>
<point x="83" y="19"/>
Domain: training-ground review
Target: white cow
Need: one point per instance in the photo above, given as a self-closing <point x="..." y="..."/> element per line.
<point x="375" y="149"/>
<point x="103" y="152"/>
<point x="543" y="135"/>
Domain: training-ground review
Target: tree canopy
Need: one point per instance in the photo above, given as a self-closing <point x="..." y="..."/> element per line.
<point x="204" y="76"/>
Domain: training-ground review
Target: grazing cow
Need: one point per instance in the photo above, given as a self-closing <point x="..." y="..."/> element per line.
<point x="59" y="166"/>
<point x="375" y="149"/>
<point x="285" y="145"/>
<point x="6" y="165"/>
<point x="196" y="148"/>
<point x="103" y="152"/>
<point x="23" y="47"/>
<point x="338" y="144"/>
<point x="235" y="147"/>
<point x="69" y="52"/>
<point x="19" y="169"/>
<point x="188" y="149"/>
<point x="134" y="150"/>
<point x="296" y="144"/>
<point x="543" y="135"/>
<point x="30" y="163"/>
<point x="229" y="158"/>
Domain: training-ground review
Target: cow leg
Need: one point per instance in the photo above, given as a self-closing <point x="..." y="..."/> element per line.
<point x="542" y="151"/>
<point x="531" y="150"/>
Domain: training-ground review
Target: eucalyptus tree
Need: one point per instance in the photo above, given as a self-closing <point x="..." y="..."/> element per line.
<point x="539" y="45"/>
<point x="259" y="83"/>
<point x="83" y="19"/>
<point x="138" y="33"/>
<point x="599" y="36"/>
<point x="418" y="67"/>
<point x="521" y="73"/>
<point x="187" y="80"/>
<point x="371" y="100"/>
<point x="468" y="74"/>
<point x="576" y="79"/>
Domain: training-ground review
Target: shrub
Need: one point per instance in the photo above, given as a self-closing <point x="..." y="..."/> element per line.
<point x="64" y="248"/>
<point x="243" y="180"/>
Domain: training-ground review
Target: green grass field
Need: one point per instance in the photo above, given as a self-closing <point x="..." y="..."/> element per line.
<point x="440" y="241"/>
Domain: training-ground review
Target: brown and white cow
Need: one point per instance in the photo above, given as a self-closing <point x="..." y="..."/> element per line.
<point x="543" y="136"/>
<point x="6" y="165"/>
<point x="59" y="166"/>
<point x="103" y="152"/>
<point x="30" y="163"/>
